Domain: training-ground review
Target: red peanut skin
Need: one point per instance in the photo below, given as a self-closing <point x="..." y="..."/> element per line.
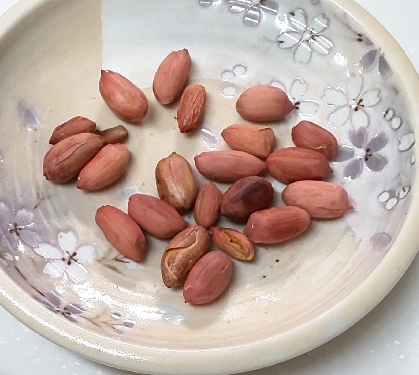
<point x="208" y="279"/>
<point x="155" y="216"/>
<point x="277" y="224"/>
<point x="321" y="199"/>
<point x="122" y="232"/>
<point x="292" y="164"/>
<point x="310" y="135"/>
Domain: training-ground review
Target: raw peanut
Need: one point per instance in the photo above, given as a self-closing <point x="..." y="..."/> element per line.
<point x="182" y="253"/>
<point x="117" y="134"/>
<point x="208" y="279"/>
<point x="307" y="134"/>
<point x="155" y="216"/>
<point x="208" y="205"/>
<point x="233" y="243"/>
<point x="124" y="98"/>
<point x="263" y="103"/>
<point x="277" y="224"/>
<point x="292" y="164"/>
<point x="76" y="125"/>
<point x="228" y="166"/>
<point x="254" y="139"/>
<point x="122" y="232"/>
<point x="171" y="76"/>
<point x="321" y="199"/>
<point x="65" y="160"/>
<point x="176" y="183"/>
<point x="105" y="168"/>
<point x="246" y="196"/>
<point x="191" y="108"/>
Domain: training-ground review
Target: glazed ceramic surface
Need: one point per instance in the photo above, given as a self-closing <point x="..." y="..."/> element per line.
<point x="63" y="279"/>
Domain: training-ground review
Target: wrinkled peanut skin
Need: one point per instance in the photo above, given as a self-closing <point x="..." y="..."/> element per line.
<point x="171" y="76"/>
<point x="122" y="232"/>
<point x="208" y="279"/>
<point x="182" y="253"/>
<point x="190" y="113"/>
<point x="176" y="183"/>
<point x="117" y="134"/>
<point x="75" y="125"/>
<point x="64" y="161"/>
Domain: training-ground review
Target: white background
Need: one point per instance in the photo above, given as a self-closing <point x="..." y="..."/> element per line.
<point x="385" y="342"/>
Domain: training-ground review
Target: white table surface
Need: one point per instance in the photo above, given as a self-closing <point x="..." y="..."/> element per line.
<point x="385" y="342"/>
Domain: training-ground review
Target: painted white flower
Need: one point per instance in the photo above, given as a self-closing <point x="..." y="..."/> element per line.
<point x="351" y="104"/>
<point x="304" y="36"/>
<point x="253" y="10"/>
<point x="17" y="226"/>
<point x="66" y="258"/>
<point x="297" y="93"/>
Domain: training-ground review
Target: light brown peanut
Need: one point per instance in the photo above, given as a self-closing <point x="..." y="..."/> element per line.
<point x="182" y="253"/>
<point x="234" y="243"/>
<point x="190" y="113"/>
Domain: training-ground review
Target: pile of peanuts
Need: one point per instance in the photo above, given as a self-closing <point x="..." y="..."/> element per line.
<point x="99" y="158"/>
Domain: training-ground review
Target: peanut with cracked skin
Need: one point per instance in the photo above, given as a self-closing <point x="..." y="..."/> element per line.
<point x="109" y="165"/>
<point x="126" y="100"/>
<point x="171" y="76"/>
<point x="246" y="196"/>
<point x="277" y="224"/>
<point x="208" y="279"/>
<point x="234" y="243"/>
<point x="292" y="164"/>
<point x="176" y="183"/>
<point x="64" y="161"/>
<point x="75" y="125"/>
<point x="182" y="253"/>
<point x="122" y="232"/>
<point x="228" y="165"/>
<point x="321" y="199"/>
<point x="190" y="113"/>
<point x="264" y="103"/>
<point x="208" y="205"/>
<point x="254" y="139"/>
<point x="155" y="216"/>
<point x="310" y="135"/>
